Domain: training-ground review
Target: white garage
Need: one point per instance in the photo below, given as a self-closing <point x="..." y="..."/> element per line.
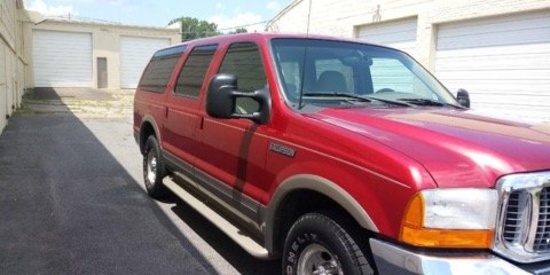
<point x="62" y="59"/>
<point x="503" y="62"/>
<point x="135" y="53"/>
<point x="397" y="34"/>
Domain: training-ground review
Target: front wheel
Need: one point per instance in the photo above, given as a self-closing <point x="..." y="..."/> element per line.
<point x="153" y="169"/>
<point x="317" y="244"/>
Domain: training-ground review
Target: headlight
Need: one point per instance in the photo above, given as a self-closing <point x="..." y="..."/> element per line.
<point x="451" y="218"/>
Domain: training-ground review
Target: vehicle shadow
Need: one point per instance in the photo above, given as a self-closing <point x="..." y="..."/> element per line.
<point x="227" y="248"/>
<point x="72" y="201"/>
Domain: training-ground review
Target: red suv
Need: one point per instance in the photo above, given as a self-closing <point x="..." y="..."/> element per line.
<point x="342" y="157"/>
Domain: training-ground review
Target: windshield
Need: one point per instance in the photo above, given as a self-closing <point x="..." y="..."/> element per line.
<point x="323" y="72"/>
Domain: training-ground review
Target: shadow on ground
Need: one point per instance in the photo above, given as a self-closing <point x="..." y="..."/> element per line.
<point x="49" y="93"/>
<point x="71" y="202"/>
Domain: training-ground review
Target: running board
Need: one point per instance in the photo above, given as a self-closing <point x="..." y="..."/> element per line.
<point x="244" y="241"/>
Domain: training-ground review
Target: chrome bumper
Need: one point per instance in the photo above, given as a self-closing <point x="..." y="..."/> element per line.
<point x="392" y="259"/>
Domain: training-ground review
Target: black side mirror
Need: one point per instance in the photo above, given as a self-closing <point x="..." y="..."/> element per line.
<point x="221" y="99"/>
<point x="463" y="97"/>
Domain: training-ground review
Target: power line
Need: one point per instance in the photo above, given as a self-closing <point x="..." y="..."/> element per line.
<point x="243" y="26"/>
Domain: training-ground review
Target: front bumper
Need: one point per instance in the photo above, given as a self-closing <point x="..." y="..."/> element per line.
<point x="393" y="259"/>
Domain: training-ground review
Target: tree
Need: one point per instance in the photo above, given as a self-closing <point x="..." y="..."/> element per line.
<point x="240" y="30"/>
<point x="192" y="28"/>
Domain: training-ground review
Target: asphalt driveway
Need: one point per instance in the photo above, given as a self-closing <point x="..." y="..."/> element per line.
<point x="72" y="202"/>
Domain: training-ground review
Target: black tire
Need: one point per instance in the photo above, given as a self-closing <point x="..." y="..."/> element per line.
<point x="153" y="169"/>
<point x="317" y="242"/>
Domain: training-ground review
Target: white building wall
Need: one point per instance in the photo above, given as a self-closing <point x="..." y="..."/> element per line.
<point x="355" y="18"/>
<point x="11" y="58"/>
<point x="106" y="42"/>
<point x="344" y="18"/>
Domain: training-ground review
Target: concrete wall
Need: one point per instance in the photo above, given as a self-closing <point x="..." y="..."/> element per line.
<point x="106" y="42"/>
<point x="343" y="18"/>
<point x="12" y="58"/>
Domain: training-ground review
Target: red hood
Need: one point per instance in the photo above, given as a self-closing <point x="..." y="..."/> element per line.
<point x="458" y="148"/>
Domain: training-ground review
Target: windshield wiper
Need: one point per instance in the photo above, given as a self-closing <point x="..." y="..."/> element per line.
<point x="358" y="97"/>
<point x="337" y="94"/>
<point x="427" y="102"/>
<point x="389" y="101"/>
<point x="422" y="101"/>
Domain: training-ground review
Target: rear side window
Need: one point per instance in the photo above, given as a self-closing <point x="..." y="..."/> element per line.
<point x="192" y="74"/>
<point x="157" y="73"/>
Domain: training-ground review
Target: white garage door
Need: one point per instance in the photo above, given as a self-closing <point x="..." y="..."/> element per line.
<point x="135" y="52"/>
<point x="503" y="62"/>
<point x="62" y="59"/>
<point x="398" y="34"/>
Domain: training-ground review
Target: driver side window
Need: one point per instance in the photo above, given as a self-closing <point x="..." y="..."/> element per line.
<point x="243" y="60"/>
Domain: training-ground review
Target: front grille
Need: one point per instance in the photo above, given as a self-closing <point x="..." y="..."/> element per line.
<point x="542" y="239"/>
<point x="515" y="213"/>
<point x="523" y="229"/>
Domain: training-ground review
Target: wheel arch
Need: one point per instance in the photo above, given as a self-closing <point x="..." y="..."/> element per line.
<point x="318" y="191"/>
<point x="148" y="127"/>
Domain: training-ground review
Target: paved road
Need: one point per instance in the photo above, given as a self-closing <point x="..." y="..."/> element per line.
<point x="72" y="202"/>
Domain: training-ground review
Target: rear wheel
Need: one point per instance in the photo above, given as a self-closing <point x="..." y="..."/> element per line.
<point x="153" y="169"/>
<point x="317" y="244"/>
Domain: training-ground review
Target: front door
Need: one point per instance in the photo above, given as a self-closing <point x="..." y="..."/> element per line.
<point x="233" y="151"/>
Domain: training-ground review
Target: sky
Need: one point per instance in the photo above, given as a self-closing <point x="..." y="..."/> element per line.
<point x="226" y="14"/>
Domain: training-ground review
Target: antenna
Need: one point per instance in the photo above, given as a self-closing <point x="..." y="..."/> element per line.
<point x="308" y="17"/>
<point x="304" y="58"/>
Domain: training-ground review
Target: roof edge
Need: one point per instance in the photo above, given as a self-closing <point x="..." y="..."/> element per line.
<point x="76" y="22"/>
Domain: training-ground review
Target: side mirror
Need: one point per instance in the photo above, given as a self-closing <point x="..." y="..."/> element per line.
<point x="463" y="97"/>
<point x="221" y="100"/>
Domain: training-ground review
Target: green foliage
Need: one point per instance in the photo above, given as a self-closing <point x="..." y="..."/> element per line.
<point x="240" y="30"/>
<point x="192" y="28"/>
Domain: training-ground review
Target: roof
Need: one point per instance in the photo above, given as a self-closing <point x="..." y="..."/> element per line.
<point x="264" y="36"/>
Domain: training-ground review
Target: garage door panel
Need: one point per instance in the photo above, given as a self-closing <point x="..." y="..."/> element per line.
<point x="505" y="101"/>
<point x="400" y="31"/>
<point x="62" y="59"/>
<point x="510" y="30"/>
<point x="135" y="53"/>
<point x="498" y="87"/>
<point x="503" y="62"/>
<point x="495" y="74"/>
<point x="538" y="48"/>
<point x="493" y="39"/>
<point x="398" y="34"/>
<point x="486" y="63"/>
<point x="501" y="26"/>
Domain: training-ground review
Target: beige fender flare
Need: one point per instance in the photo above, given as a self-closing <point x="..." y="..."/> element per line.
<point x="319" y="185"/>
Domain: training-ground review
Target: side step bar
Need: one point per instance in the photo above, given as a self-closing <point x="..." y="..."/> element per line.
<point x="247" y="243"/>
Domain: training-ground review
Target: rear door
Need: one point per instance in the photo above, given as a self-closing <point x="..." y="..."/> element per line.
<point x="152" y="89"/>
<point x="233" y="151"/>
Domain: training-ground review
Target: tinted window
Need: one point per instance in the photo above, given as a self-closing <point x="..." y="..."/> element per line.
<point x="192" y="74"/>
<point x="157" y="73"/>
<point x="245" y="62"/>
